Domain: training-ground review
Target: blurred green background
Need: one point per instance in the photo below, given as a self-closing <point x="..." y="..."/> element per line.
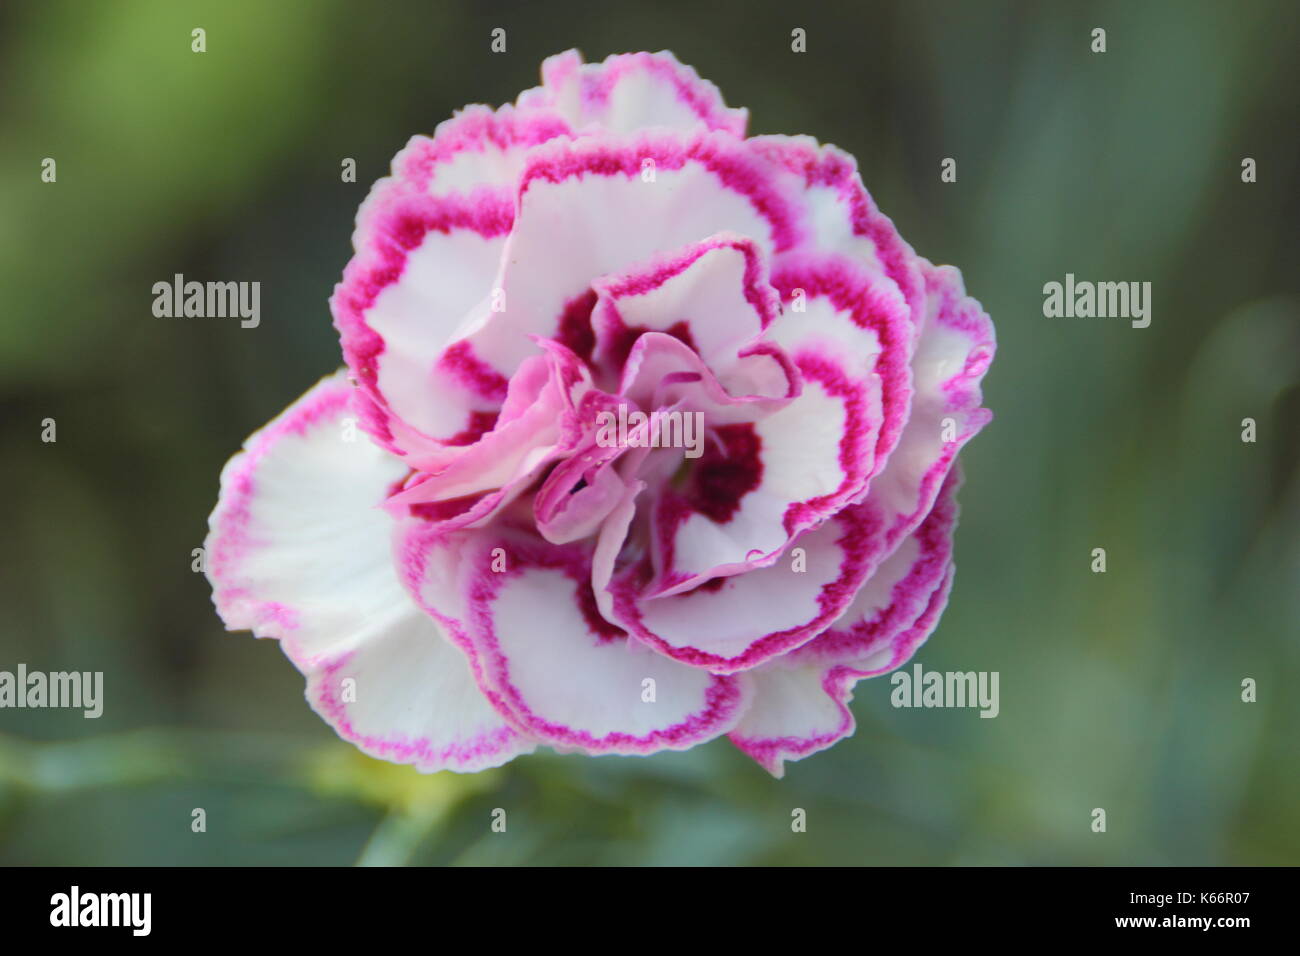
<point x="1118" y="690"/>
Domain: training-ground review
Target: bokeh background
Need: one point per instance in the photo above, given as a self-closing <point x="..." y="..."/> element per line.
<point x="1118" y="690"/>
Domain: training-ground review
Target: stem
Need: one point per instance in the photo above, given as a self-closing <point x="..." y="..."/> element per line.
<point x="397" y="838"/>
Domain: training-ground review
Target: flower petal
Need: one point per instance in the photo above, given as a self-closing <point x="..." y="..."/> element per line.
<point x="772" y="467"/>
<point x="801" y="699"/>
<point x="800" y="711"/>
<point x="911" y="496"/>
<point x="631" y="91"/>
<point x="953" y="352"/>
<point x="897" y="593"/>
<point x="850" y="337"/>
<point x="422" y="265"/>
<point x="300" y="550"/>
<point x="843" y="218"/>
<point x="540" y="422"/>
<point x="477" y="147"/>
<point x="712" y="295"/>
<point x="853" y="336"/>
<point x="598" y="205"/>
<point x="428" y="246"/>
<point x="737" y="622"/>
<point x="545" y="655"/>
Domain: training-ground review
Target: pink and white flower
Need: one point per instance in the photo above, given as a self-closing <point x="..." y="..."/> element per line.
<point x="477" y="574"/>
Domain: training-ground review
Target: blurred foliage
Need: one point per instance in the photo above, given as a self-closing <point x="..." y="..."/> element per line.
<point x="1118" y="690"/>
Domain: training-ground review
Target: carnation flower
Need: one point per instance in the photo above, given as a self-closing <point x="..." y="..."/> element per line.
<point x="463" y="556"/>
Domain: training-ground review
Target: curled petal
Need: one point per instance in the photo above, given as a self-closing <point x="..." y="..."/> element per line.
<point x="855" y="338"/>
<point x="844" y="219"/>
<point x="712" y="295"/>
<point x="952" y="354"/>
<point x="801" y="699"/>
<point x="632" y="91"/>
<point x="577" y="201"/>
<point x="478" y="147"/>
<point x="802" y="710"/>
<point x="897" y="593"/>
<point x="299" y="550"/>
<point x="586" y="686"/>
<point x="428" y="246"/>
<point x="422" y="265"/>
<point x="737" y="622"/>
<point x="540" y="423"/>
<point x="772" y="467"/>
